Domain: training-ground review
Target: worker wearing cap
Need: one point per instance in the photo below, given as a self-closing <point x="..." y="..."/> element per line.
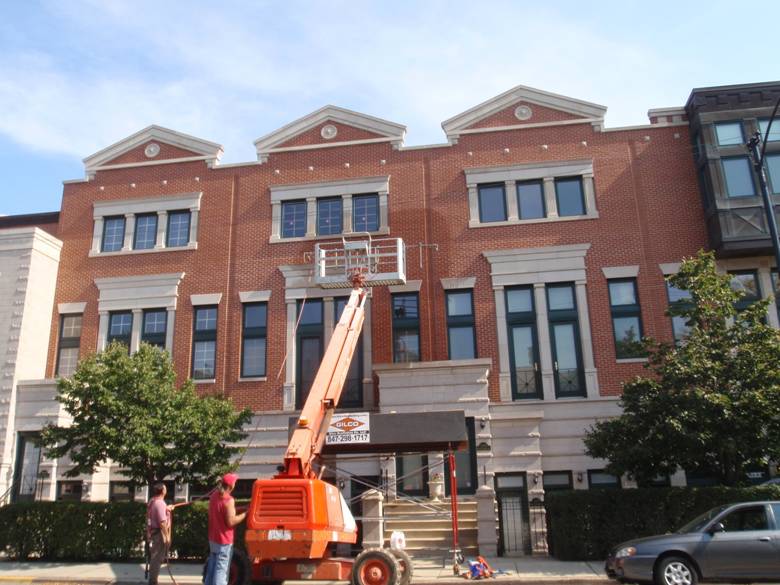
<point x="222" y="520"/>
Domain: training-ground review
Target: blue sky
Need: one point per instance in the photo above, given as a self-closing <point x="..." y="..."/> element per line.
<point x="78" y="75"/>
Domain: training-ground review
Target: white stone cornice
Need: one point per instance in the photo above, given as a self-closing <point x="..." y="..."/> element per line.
<point x="453" y="126"/>
<point x="528" y="171"/>
<point x="187" y="201"/>
<point x="537" y="265"/>
<point x="71" y="308"/>
<point x="205" y="299"/>
<point x="34" y="238"/>
<point x="620" y="271"/>
<point x="211" y="150"/>
<point x="455" y="283"/>
<point x="254" y="296"/>
<point x="331" y="188"/>
<point x="383" y="128"/>
<point x="138" y="292"/>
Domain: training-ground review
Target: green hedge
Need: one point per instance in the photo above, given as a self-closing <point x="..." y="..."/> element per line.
<point x="91" y="531"/>
<point x="585" y="525"/>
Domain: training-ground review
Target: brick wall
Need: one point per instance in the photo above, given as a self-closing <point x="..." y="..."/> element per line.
<point x="646" y="195"/>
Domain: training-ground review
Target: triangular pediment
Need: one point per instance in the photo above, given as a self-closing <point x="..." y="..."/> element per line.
<point x="150" y="145"/>
<point x="520" y="106"/>
<point x="328" y="126"/>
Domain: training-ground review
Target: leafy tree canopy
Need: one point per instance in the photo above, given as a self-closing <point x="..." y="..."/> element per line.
<point x="712" y="403"/>
<point x="127" y="409"/>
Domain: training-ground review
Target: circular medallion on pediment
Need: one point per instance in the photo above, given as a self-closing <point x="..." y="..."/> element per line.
<point x="152" y="150"/>
<point x="523" y="112"/>
<point x="329" y="131"/>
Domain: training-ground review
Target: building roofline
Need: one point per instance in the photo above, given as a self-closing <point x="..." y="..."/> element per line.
<point x="29" y="219"/>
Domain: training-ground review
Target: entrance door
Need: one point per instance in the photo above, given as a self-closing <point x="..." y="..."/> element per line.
<point x="411" y="475"/>
<point x="465" y="465"/>
<point x="514" y="535"/>
<point x="28" y="459"/>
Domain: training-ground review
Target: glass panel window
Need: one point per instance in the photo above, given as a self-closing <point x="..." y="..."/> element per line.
<point x="530" y="200"/>
<point x="406" y="327"/>
<point x="554" y="481"/>
<point x="352" y="395"/>
<point x="120" y="491"/>
<point x="178" y="233"/>
<point x="113" y="234"/>
<point x="461" y="337"/>
<point x="145" y="231"/>
<point x="120" y="326"/>
<point x="774" y="131"/>
<point x="523" y="350"/>
<point x="729" y="133"/>
<point x="565" y="341"/>
<point x="365" y="213"/>
<point x="69" y="491"/>
<point x="293" y="219"/>
<point x="492" y="203"/>
<point x="570" y="198"/>
<point x="310" y="346"/>
<point x="599" y="479"/>
<point x="560" y="297"/>
<point x="772" y="165"/>
<point x="204" y="348"/>
<point x="746" y="519"/>
<point x="626" y="318"/>
<point x="738" y="176"/>
<point x="254" y="340"/>
<point x="329" y="216"/>
<point x="747" y="283"/>
<point x="678" y="298"/>
<point x="154" y="327"/>
<point x="68" y="346"/>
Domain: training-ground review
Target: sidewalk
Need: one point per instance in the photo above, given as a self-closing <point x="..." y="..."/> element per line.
<point x="526" y="570"/>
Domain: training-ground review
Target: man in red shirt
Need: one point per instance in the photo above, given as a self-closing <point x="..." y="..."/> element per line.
<point x="222" y="520"/>
<point x="158" y="526"/>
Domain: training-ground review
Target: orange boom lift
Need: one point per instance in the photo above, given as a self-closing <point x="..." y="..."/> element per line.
<point x="295" y="519"/>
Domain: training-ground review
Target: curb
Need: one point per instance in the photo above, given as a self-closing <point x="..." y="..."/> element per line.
<point x="513" y="580"/>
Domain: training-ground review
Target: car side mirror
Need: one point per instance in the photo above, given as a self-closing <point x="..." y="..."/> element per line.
<point x="717" y="527"/>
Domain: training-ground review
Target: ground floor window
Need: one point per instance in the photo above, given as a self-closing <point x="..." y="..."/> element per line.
<point x="69" y="491"/>
<point x="120" y="491"/>
<point x="600" y="479"/>
<point x="27" y="470"/>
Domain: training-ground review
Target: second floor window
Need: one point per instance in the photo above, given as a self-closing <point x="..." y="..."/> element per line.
<point x="729" y="133"/>
<point x="68" y="346"/>
<point x="145" y="231"/>
<point x="253" y="342"/>
<point x="461" y="338"/>
<point x="523" y="347"/>
<point x="406" y="327"/>
<point x="565" y="340"/>
<point x="294" y="219"/>
<point x="492" y="203"/>
<point x="204" y="347"/>
<point x="120" y="327"/>
<point x="329" y="216"/>
<point x="569" y="195"/>
<point x="678" y="298"/>
<point x="626" y="318"/>
<point x="154" y="327"/>
<point x="113" y="234"/>
<point x="178" y="229"/>
<point x="365" y="213"/>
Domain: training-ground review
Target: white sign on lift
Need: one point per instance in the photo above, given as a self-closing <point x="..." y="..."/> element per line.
<point x="349" y="427"/>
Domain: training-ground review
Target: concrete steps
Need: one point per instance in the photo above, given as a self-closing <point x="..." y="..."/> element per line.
<point x="427" y="527"/>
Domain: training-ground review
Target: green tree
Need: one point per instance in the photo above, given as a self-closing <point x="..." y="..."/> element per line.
<point x="712" y="402"/>
<point x="127" y="408"/>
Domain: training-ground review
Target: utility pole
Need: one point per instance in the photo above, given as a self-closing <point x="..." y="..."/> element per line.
<point x="758" y="164"/>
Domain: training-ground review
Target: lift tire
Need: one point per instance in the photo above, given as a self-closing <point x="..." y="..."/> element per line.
<point x="376" y="566"/>
<point x="240" y="568"/>
<point x="405" y="562"/>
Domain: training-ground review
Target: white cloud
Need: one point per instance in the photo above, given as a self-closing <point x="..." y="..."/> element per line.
<point x="230" y="73"/>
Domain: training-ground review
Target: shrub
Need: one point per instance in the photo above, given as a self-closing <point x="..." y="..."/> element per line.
<point x="585" y="525"/>
<point x="92" y="531"/>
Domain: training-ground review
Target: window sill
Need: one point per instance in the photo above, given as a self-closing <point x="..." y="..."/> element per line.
<point x="206" y="381"/>
<point x="280" y="240"/>
<point x="190" y="246"/>
<point x="479" y="224"/>
<point x="257" y="379"/>
<point x="639" y="360"/>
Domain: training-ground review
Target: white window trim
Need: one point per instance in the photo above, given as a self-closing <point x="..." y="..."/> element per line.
<point x="540" y="267"/>
<point x="136" y="293"/>
<point x="546" y="172"/>
<point x="205" y="299"/>
<point x="133" y="207"/>
<point x="458" y="283"/>
<point x="311" y="192"/>
<point x="611" y="272"/>
<point x="71" y="308"/>
<point x="254" y="296"/>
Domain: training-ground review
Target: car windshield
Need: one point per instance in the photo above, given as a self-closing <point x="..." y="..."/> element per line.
<point x="700" y="522"/>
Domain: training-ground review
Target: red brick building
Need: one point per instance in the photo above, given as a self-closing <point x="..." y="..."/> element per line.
<point x="536" y="244"/>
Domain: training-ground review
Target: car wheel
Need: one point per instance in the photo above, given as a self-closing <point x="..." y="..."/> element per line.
<point x="676" y="571"/>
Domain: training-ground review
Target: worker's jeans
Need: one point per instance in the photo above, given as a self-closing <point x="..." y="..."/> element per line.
<point x="218" y="564"/>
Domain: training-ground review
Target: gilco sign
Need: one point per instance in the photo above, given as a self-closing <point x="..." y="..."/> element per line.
<point x="351" y="427"/>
